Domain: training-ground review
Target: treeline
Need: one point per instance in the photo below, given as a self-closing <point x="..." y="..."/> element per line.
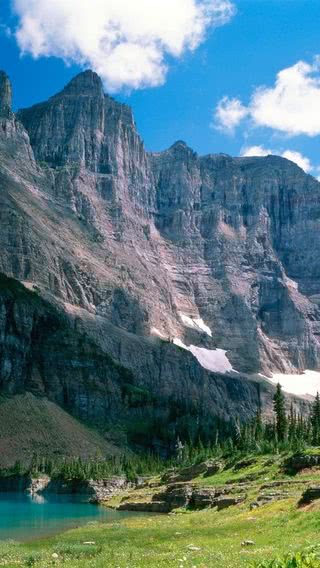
<point x="131" y="466"/>
<point x="286" y="432"/>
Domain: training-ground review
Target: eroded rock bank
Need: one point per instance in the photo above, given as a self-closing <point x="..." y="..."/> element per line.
<point x="91" y="490"/>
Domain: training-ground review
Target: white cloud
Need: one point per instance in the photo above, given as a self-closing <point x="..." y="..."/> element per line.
<point x="229" y="113"/>
<point x="299" y="159"/>
<point x="291" y="105"/>
<point x="256" y="151"/>
<point x="302" y="161"/>
<point x="127" y="42"/>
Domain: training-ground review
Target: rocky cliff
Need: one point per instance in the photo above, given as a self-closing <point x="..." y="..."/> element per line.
<point x="156" y="281"/>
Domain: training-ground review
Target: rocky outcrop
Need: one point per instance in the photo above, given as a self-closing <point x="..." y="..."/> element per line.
<point x="182" y="495"/>
<point x="311" y="494"/>
<point x="298" y="462"/>
<point x="92" y="490"/>
<point x="264" y="498"/>
<point x="206" y="468"/>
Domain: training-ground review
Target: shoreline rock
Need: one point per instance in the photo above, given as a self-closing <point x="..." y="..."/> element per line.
<point x="95" y="491"/>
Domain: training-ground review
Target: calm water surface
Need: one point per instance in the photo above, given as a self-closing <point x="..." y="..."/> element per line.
<point x="24" y="517"/>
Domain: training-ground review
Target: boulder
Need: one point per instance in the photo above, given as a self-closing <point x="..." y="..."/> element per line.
<point x="309" y="495"/>
<point x="228" y="501"/>
<point x="301" y="461"/>
<point x="176" y="496"/>
<point x="202" y="498"/>
<point x="206" y="468"/>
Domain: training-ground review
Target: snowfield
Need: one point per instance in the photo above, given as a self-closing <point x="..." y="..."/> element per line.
<point x="210" y="359"/>
<point x="195" y="323"/>
<point x="306" y="383"/>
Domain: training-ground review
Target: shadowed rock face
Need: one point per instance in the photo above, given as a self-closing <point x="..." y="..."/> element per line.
<point x="5" y="95"/>
<point x="126" y="244"/>
<point x="51" y="354"/>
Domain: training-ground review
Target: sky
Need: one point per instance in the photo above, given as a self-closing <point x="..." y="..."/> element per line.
<point x="240" y="77"/>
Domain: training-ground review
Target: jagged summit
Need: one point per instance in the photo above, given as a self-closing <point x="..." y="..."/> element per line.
<point x="80" y="124"/>
<point x="87" y="83"/>
<point x="180" y="145"/>
<point x="5" y="95"/>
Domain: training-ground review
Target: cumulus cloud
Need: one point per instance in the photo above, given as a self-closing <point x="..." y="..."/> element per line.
<point x="229" y="114"/>
<point x="299" y="159"/>
<point x="127" y="42"/>
<point x="302" y="161"/>
<point x="291" y="105"/>
<point x="256" y="151"/>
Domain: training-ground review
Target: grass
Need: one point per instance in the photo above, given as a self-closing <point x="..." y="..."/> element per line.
<point x="186" y="539"/>
<point x="200" y="539"/>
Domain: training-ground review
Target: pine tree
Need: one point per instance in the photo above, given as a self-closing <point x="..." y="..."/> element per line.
<point x="315" y="421"/>
<point x="280" y="412"/>
<point x="292" y="427"/>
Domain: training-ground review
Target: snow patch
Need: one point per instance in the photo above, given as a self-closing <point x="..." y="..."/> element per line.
<point x="306" y="383"/>
<point x="291" y="283"/>
<point x="179" y="343"/>
<point x="155" y="331"/>
<point x="214" y="360"/>
<point x="195" y="323"/>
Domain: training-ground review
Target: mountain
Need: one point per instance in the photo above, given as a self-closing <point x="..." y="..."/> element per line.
<point x="144" y="292"/>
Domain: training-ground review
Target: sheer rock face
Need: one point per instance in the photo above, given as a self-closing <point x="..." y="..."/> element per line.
<point x="83" y="126"/>
<point x="127" y="243"/>
<point x="246" y="231"/>
<point x="5" y="95"/>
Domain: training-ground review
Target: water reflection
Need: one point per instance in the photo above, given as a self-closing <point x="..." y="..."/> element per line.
<point x="37" y="499"/>
<point x="25" y="516"/>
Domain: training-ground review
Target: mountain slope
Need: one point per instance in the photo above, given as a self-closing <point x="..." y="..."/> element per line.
<point x="225" y="240"/>
<point x="136" y="252"/>
<point x="31" y="426"/>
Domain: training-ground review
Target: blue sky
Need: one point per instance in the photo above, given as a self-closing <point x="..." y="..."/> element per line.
<point x="177" y="91"/>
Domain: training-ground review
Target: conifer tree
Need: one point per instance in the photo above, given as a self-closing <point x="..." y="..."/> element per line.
<point x="280" y="412"/>
<point x="292" y="427"/>
<point x="315" y="421"/>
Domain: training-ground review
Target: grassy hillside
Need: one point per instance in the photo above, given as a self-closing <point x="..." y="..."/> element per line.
<point x="199" y="539"/>
<point x="30" y="425"/>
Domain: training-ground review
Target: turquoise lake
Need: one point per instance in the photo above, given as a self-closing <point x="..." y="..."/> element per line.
<point x="23" y="517"/>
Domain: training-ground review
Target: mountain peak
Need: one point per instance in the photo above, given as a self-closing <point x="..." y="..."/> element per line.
<point x="86" y="83"/>
<point x="181" y="147"/>
<point x="5" y="95"/>
<point x="179" y="144"/>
